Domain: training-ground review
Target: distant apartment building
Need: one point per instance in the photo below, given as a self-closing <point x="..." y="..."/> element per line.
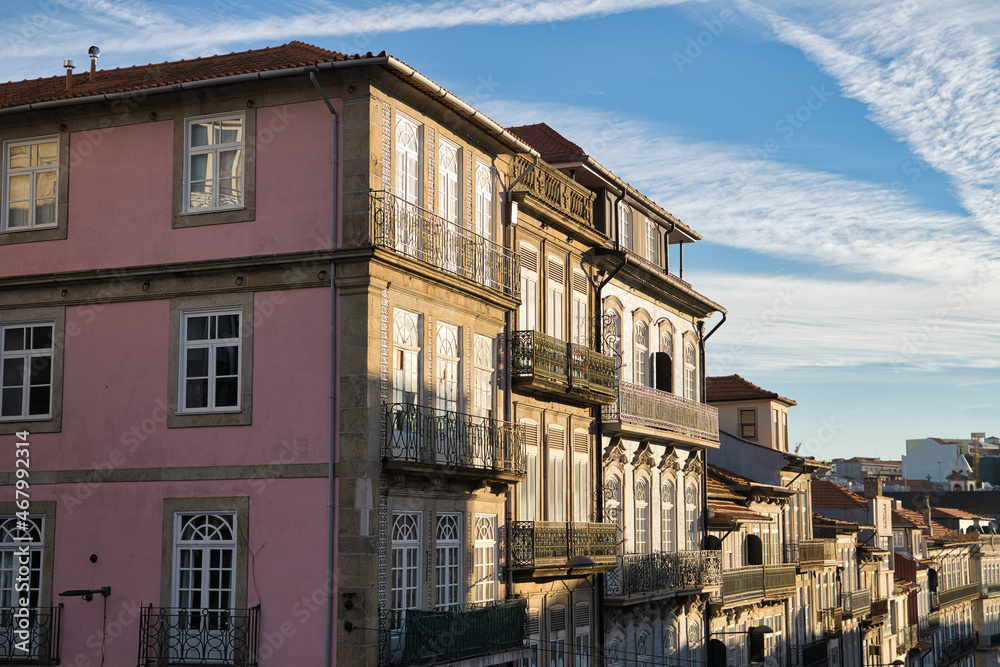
<point x="750" y="412"/>
<point x="859" y="468"/>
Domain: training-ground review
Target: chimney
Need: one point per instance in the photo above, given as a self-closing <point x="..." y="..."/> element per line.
<point x="94" y="54"/>
<point x="873" y="487"/>
<point x="69" y="65"/>
<point x="927" y="515"/>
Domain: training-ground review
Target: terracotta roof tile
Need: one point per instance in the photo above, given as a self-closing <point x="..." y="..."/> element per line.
<point x="552" y="146"/>
<point x="828" y="494"/>
<point x="951" y="513"/>
<point x="908" y="519"/>
<point x="286" y="56"/>
<point x="734" y="388"/>
<point x="733" y="512"/>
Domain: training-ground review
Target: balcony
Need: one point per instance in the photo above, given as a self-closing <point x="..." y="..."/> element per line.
<point x="906" y="639"/>
<point x="933" y="620"/>
<point x="548" y="367"/>
<point x="38" y="644"/>
<point x="176" y="636"/>
<point x="815" y="654"/>
<point x="957" y="648"/>
<point x="423" y="440"/>
<point x="585" y="548"/>
<point x="417" y="233"/>
<point x="880" y="610"/>
<point x="832" y="621"/>
<point x="959" y="594"/>
<point x="989" y="641"/>
<point x="547" y="191"/>
<point x="417" y="637"/>
<point x="857" y="603"/>
<point x="754" y="583"/>
<point x="646" y="574"/>
<point x="991" y="588"/>
<point x="816" y="553"/>
<point x="656" y="410"/>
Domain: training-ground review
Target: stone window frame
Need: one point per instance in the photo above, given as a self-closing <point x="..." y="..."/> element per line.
<point x="60" y="230"/>
<point x="56" y="315"/>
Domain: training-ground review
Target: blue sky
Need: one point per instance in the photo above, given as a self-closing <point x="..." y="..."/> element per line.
<point x="838" y="156"/>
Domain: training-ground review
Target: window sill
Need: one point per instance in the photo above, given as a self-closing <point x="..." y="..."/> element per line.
<point x="203" y="419"/>
<point x="215" y="216"/>
<point x="33" y="234"/>
<point x="10" y="426"/>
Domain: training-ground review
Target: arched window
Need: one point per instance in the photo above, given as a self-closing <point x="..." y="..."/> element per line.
<point x="447" y="367"/>
<point x="643" y="655"/>
<point x="484" y="202"/>
<point x="448" y="206"/>
<point x="613" y="498"/>
<point x="691" y="510"/>
<point x="406" y="357"/>
<point x="614" y="656"/>
<point x="642" y="516"/>
<point x="690" y="385"/>
<point x="625" y="226"/>
<point x="667" y="517"/>
<point x="641" y="373"/>
<point x="694" y="642"/>
<point x="407" y="161"/>
<point x="613" y="337"/>
<point x="652" y="242"/>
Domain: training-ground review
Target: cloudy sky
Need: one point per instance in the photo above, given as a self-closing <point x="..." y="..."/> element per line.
<point x="839" y="157"/>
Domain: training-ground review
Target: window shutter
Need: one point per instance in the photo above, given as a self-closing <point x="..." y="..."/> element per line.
<point x="583" y="615"/>
<point x="557" y="619"/>
<point x="529" y="258"/>
<point x="580" y="441"/>
<point x="555" y="271"/>
<point x="579" y="282"/>
<point x="557" y="439"/>
<point x="530" y="433"/>
<point x="534" y="626"/>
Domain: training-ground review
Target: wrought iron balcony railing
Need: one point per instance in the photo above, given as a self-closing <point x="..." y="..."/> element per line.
<point x="832" y="621"/>
<point x="991" y="588"/>
<point x="540" y="544"/>
<point x="543" y="364"/>
<point x="879" y="610"/>
<point x="790" y="551"/>
<point x="653" y="408"/>
<point x="956" y="648"/>
<point x="30" y="636"/>
<point x="416" y="232"/>
<point x="933" y="621"/>
<point x="906" y="638"/>
<point x="815" y="654"/>
<point x="418" y="434"/>
<point x="817" y="552"/>
<point x="755" y="582"/>
<point x="177" y="636"/>
<point x="418" y="637"/>
<point x="664" y="571"/>
<point x="556" y="190"/>
<point x="959" y="594"/>
<point x="857" y="603"/>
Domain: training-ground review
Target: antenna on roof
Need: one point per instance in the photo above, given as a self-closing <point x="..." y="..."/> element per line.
<point x="69" y="65"/>
<point x="94" y="54"/>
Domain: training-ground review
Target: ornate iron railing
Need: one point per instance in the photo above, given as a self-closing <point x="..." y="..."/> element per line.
<point x="955" y="649"/>
<point x="832" y="621"/>
<point x="959" y="594"/>
<point x="30" y="636"/>
<point x="661" y="571"/>
<point x="416" y="232"/>
<point x="790" y="550"/>
<point x="556" y="190"/>
<point x="646" y="406"/>
<point x="420" y="434"/>
<point x="569" y="367"/>
<point x="757" y="581"/>
<point x="815" y="654"/>
<point x="812" y="552"/>
<point x="176" y="636"/>
<point x="906" y="638"/>
<point x="933" y="620"/>
<point x="536" y="544"/>
<point x="779" y="581"/>
<point x="419" y="637"/>
<point x="880" y="609"/>
<point x="857" y="603"/>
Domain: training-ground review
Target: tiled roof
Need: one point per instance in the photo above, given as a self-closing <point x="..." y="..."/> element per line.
<point x="905" y="518"/>
<point x="120" y="80"/>
<point x="733" y="512"/>
<point x="865" y="459"/>
<point x="735" y="388"/>
<point x="552" y="146"/>
<point x="828" y="494"/>
<point x="951" y="513"/>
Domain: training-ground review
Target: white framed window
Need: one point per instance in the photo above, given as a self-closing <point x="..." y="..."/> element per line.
<point x="579" y="314"/>
<point x="613" y="337"/>
<point x="555" y="316"/>
<point x="26" y="363"/>
<point x="213" y="162"/>
<point x="16" y="536"/>
<point x="581" y="476"/>
<point x="528" y="488"/>
<point x="448" y="560"/>
<point x="652" y="242"/>
<point x="448" y="359"/>
<point x="483" y="389"/>
<point x="641" y="343"/>
<point x="614" y="657"/>
<point x="643" y="649"/>
<point x="556" y="483"/>
<point x="527" y="312"/>
<point x="211" y="344"/>
<point x="448" y="181"/>
<point x="642" y="516"/>
<point x="690" y="373"/>
<point x="694" y="642"/>
<point x="485" y="585"/>
<point x="404" y="564"/>
<point x="557" y="636"/>
<point x="667" y="517"/>
<point x="670" y="644"/>
<point x="692" y="516"/>
<point x="625" y="230"/>
<point x="613" y="498"/>
<point x="748" y="424"/>
<point x="484" y="201"/>
<point x="407" y="171"/>
<point x="406" y="357"/>
<point x="582" y="623"/>
<point x="30" y="184"/>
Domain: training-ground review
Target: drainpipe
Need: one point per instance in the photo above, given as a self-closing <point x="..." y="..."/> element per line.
<point x="704" y="485"/>
<point x="508" y="326"/>
<point x="701" y="350"/>
<point x="333" y="486"/>
<point x="666" y="246"/>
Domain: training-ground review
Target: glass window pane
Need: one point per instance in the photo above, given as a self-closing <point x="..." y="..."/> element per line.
<point x="201" y="167"/>
<point x="196" y="394"/>
<point x="47" y="153"/>
<point x="45" y="211"/>
<point x="41" y="370"/>
<point x="197" y="363"/>
<point x="231" y="130"/>
<point x="10" y="402"/>
<point x="45" y="185"/>
<point x="19" y="188"/>
<point x="13" y="339"/>
<point x="13" y="372"/>
<point x="41" y="338"/>
<point x="227" y="361"/>
<point x="200" y="134"/>
<point x="20" y="157"/>
<point x="230" y="164"/>
<point x="38" y="400"/>
<point x="226" y="393"/>
<point x="231" y="192"/>
<point x="17" y="215"/>
<point x="229" y="326"/>
<point x="197" y="328"/>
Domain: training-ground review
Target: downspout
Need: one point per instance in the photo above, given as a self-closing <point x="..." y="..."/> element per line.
<point x="508" y="325"/>
<point x="666" y="246"/>
<point x="704" y="484"/>
<point x="333" y="486"/>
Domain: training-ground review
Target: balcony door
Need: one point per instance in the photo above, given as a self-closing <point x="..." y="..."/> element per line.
<point x="16" y="602"/>
<point x="406" y="231"/>
<point x="403" y="413"/>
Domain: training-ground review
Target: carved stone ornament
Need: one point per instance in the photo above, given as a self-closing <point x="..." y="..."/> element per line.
<point x="693" y="466"/>
<point x="643" y="457"/>
<point x="615" y="452"/>
<point x="617" y="618"/>
<point x="669" y="460"/>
